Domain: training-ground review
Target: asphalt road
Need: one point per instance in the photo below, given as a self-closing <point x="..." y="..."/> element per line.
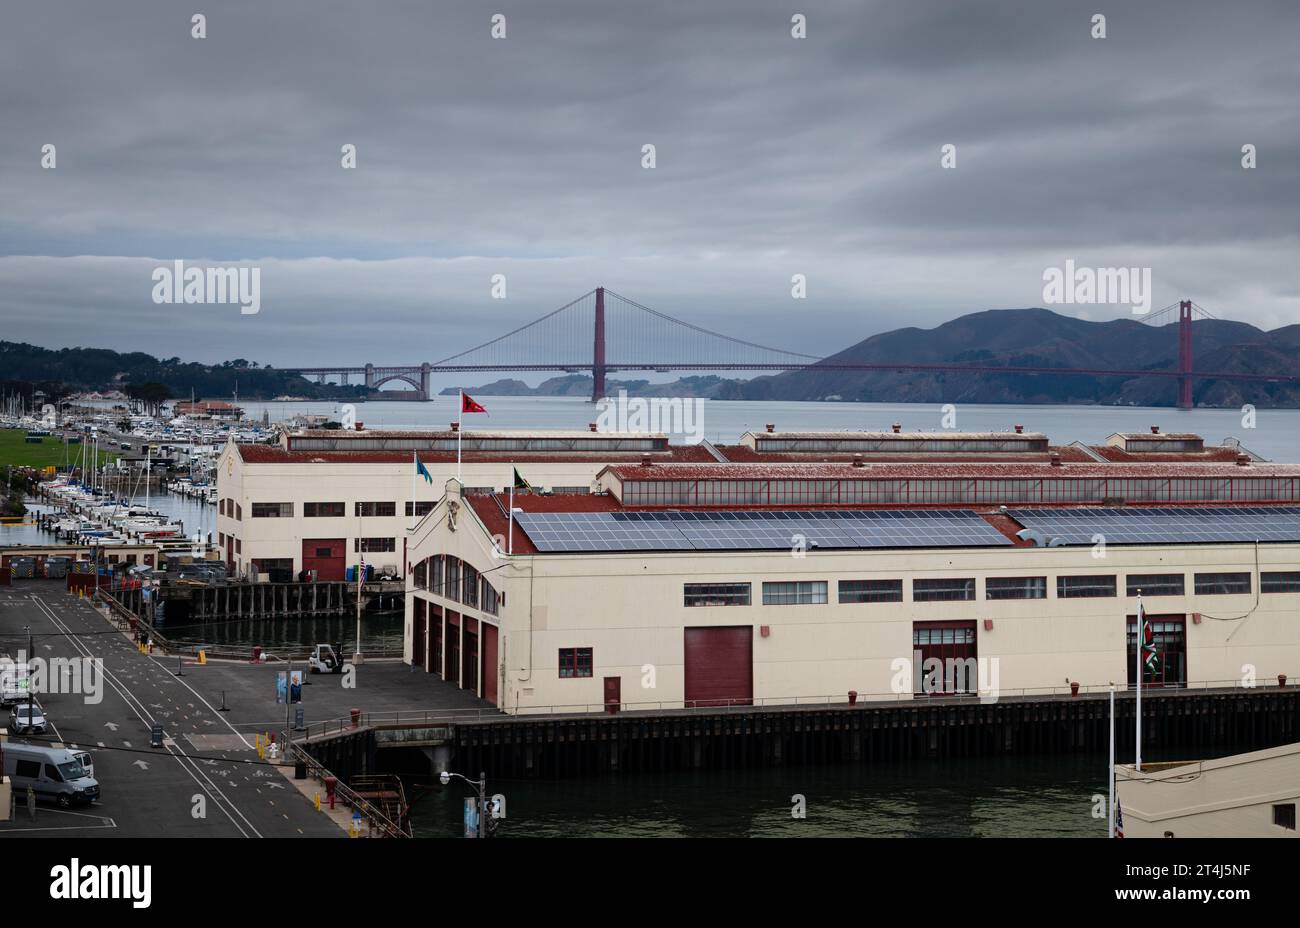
<point x="206" y="780"/>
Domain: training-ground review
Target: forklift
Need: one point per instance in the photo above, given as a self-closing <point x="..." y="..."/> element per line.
<point x="326" y="659"/>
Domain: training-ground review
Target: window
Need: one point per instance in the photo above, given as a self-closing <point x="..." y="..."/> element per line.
<point x="1284" y="815"/>
<point x="1155" y="584"/>
<point x="52" y="773"/>
<point x="221" y="506"/>
<point x="1085" y="586"/>
<point x="871" y="591"/>
<point x="267" y="564"/>
<point x="469" y="586"/>
<point x="422" y="508"/>
<point x="271" y="511"/>
<point x="239" y="547"/>
<point x="1222" y="584"/>
<point x="1169" y="636"/>
<point x="804" y="592"/>
<point x="322" y="510"/>
<point x="421" y="575"/>
<point x="716" y="594"/>
<point x="324" y="552"/>
<point x="1015" y="588"/>
<point x="489" y="600"/>
<point x="575" y="662"/>
<point x="374" y="544"/>
<point x="369" y="510"/>
<point x="27" y="768"/>
<point x="1280" y="582"/>
<point x="943" y="590"/>
<point x="239" y="512"/>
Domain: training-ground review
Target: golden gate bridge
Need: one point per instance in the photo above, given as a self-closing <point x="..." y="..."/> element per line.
<point x="601" y="332"/>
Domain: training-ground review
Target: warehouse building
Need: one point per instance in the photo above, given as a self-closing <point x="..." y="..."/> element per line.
<point x="806" y="571"/>
<point x="319" y="499"/>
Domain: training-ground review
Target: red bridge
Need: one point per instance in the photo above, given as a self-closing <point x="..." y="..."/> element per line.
<point x="624" y="335"/>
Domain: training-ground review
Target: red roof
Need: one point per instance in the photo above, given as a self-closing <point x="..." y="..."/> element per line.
<point x="743" y="454"/>
<point x="941" y="470"/>
<point x="274" y="454"/>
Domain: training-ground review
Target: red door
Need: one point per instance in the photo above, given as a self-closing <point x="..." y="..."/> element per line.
<point x="325" y="556"/>
<point x="420" y="621"/>
<point x="719" y="666"/>
<point x="952" y="645"/>
<point x="491" y="672"/>
<point x="613" y="694"/>
<point x="453" y="648"/>
<point x="435" y="640"/>
<point x="469" y="662"/>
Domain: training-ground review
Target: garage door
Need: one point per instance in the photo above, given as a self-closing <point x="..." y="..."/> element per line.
<point x="325" y="556"/>
<point x="719" y="666"/>
<point x="491" y="672"/>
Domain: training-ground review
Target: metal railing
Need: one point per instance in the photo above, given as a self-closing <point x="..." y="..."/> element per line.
<point x="414" y="718"/>
<point x="378" y="821"/>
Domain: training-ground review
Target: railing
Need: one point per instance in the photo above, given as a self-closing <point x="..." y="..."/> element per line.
<point x="377" y="819"/>
<point x="414" y="718"/>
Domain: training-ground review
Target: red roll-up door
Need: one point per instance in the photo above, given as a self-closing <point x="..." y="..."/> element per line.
<point x="325" y="556"/>
<point x="719" y="666"/>
<point x="491" y="673"/>
<point x="419" y="623"/>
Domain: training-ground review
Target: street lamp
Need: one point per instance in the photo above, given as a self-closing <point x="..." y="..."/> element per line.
<point x="481" y="785"/>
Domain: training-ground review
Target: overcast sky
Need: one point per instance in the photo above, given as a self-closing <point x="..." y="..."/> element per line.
<point x="522" y="156"/>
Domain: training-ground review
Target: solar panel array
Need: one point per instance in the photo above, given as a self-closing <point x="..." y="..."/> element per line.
<point x="1186" y="525"/>
<point x="757" y="531"/>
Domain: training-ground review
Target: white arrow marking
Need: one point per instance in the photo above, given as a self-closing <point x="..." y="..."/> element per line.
<point x="111" y="726"/>
<point x="141" y="764"/>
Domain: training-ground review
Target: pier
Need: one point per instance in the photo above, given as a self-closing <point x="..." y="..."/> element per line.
<point x="1202" y="721"/>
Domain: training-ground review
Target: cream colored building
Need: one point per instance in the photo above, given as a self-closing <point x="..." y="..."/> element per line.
<point x="1251" y="795"/>
<point x="328" y="490"/>
<point x="550" y="630"/>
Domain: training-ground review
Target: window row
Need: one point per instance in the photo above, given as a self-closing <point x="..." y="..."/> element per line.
<point x="962" y="589"/>
<point x="453" y="578"/>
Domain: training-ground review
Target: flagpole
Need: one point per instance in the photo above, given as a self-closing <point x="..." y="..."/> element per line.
<point x="510" y="532"/>
<point x="1138" y="640"/>
<point x="415" y="475"/>
<point x="1110" y="771"/>
<point x="458" y="427"/>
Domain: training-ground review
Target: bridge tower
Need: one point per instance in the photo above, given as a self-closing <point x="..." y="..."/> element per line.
<point x="370" y="376"/>
<point x="598" y="350"/>
<point x="424" y="381"/>
<point x="1185" y="354"/>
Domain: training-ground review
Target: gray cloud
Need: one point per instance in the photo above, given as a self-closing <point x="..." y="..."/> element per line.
<point x="522" y="157"/>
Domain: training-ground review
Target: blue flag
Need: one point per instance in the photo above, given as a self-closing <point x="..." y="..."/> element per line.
<point x="423" y="471"/>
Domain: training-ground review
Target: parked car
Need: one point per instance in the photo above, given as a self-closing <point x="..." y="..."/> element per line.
<point x="51" y="773"/>
<point x="27" y="718"/>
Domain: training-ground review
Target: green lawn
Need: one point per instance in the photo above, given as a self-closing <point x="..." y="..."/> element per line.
<point x="15" y="451"/>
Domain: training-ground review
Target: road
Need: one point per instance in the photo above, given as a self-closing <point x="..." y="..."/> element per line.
<point x="205" y="781"/>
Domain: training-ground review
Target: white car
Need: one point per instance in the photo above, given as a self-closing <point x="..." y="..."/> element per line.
<point x="26" y="718"/>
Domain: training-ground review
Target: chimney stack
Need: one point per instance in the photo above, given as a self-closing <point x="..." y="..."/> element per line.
<point x="1243" y="460"/>
<point x="455" y="426"/>
<point x="857" y="460"/>
<point x="591" y="426"/>
<point x="1020" y="430"/>
<point x="1155" y="430"/>
<point x="1056" y="458"/>
<point x="645" y="460"/>
<point x="898" y="427"/>
<point x="771" y="426"/>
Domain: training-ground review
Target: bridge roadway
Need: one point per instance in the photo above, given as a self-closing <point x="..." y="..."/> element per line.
<point x="209" y="757"/>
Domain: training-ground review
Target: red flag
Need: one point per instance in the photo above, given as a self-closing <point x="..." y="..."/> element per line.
<point x="467" y="404"/>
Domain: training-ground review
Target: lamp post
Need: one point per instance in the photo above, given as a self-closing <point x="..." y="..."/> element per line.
<point x="481" y="785"/>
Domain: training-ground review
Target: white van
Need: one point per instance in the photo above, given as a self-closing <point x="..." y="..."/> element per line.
<point x="52" y="773"/>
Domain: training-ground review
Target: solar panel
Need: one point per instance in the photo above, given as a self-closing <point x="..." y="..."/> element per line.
<point x="1180" y="525"/>
<point x="771" y="530"/>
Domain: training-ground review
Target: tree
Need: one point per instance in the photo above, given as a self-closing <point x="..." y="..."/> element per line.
<point x="152" y="395"/>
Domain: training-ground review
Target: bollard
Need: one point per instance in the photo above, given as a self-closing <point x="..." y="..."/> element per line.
<point x="317" y="800"/>
<point x="356" y="718"/>
<point x="330" y="783"/>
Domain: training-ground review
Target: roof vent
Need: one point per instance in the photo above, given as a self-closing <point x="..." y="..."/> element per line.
<point x="898" y="427"/>
<point x="1055" y="458"/>
<point x="455" y="426"/>
<point x="645" y="460"/>
<point x="771" y="426"/>
<point x="1243" y="460"/>
<point x="1020" y="430"/>
<point x="591" y="426"/>
<point x="1034" y="537"/>
<point x="361" y="426"/>
<point x="857" y="460"/>
<point x="1155" y="430"/>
